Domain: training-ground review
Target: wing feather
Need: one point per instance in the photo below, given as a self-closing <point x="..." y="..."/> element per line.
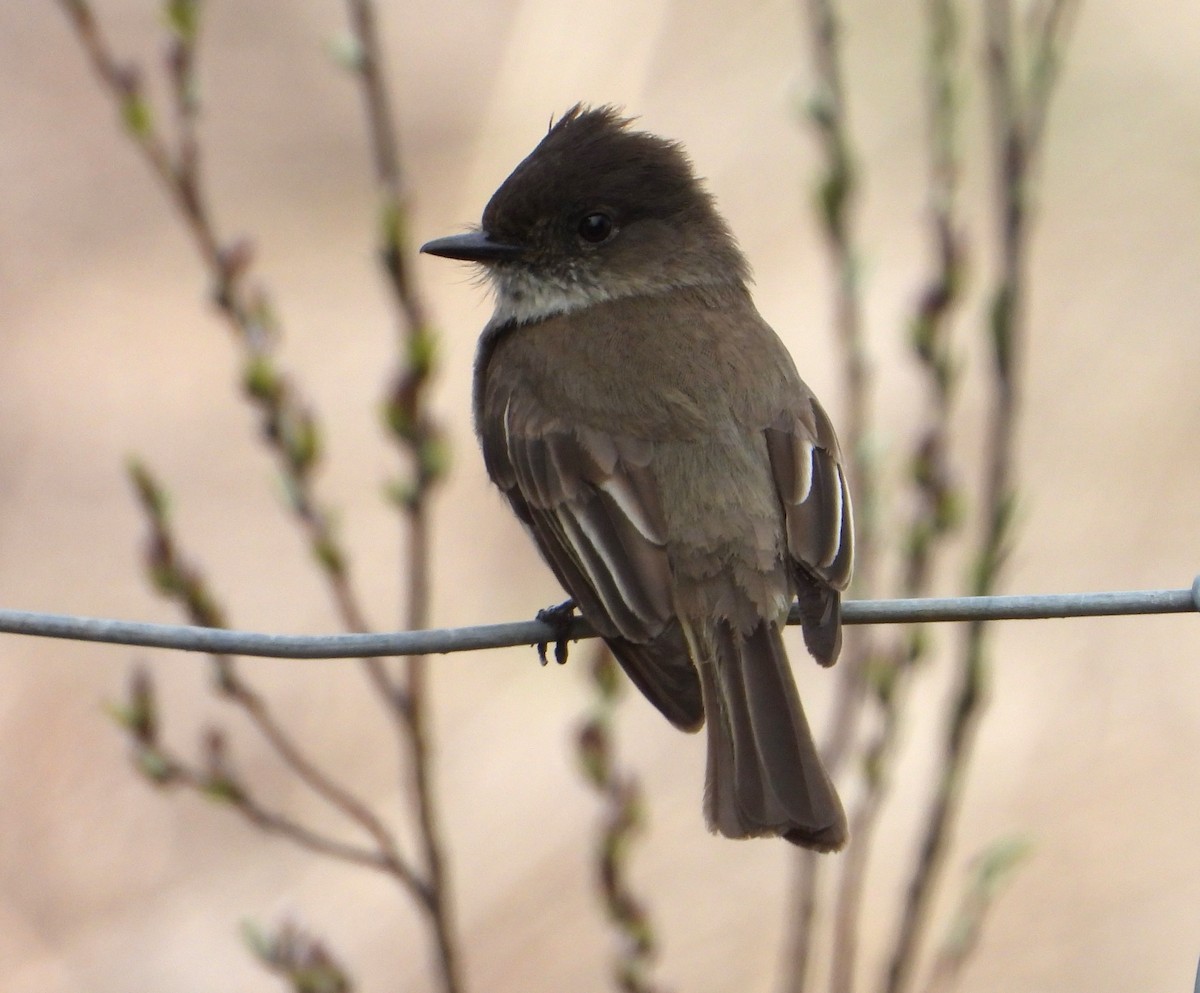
<point x="811" y="483"/>
<point x="591" y="502"/>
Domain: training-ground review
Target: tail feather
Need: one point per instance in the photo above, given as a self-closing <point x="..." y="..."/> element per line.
<point x="764" y="774"/>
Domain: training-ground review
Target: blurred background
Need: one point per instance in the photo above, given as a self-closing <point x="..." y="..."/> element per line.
<point x="108" y="347"/>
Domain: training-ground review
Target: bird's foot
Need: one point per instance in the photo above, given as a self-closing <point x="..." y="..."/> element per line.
<point x="558" y="617"/>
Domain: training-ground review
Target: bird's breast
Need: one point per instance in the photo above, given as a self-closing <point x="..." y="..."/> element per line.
<point x="672" y="367"/>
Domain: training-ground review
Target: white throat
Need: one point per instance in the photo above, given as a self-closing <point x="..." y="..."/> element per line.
<point x="523" y="297"/>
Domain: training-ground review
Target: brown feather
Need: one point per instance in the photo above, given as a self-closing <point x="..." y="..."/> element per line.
<point x="651" y="431"/>
<point x="764" y="774"/>
<point x="592" y="508"/>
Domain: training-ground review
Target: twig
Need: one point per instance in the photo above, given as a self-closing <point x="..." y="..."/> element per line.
<point x="622" y="798"/>
<point x="288" y="424"/>
<point x="1017" y="103"/>
<point x="1050" y="23"/>
<point x="330" y="790"/>
<point x="415" y="431"/>
<point x="837" y="190"/>
<point x="298" y="957"/>
<point x="836" y="200"/>
<point x="989" y="871"/>
<point x="216" y="780"/>
<point x="182" y="583"/>
<point x="280" y="824"/>
<point x="935" y="510"/>
<point x="289" y="427"/>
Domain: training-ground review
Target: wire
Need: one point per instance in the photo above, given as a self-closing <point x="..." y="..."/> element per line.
<point x="465" y="639"/>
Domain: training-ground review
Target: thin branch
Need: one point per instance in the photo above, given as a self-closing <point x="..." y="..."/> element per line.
<point x="299" y="958"/>
<point x="215" y="780"/>
<point x="837" y="197"/>
<point x="385" y="151"/>
<point x="415" y="431"/>
<point x="935" y="498"/>
<point x="288" y="425"/>
<point x="1017" y="102"/>
<point x="390" y="859"/>
<point x="274" y="822"/>
<point x="178" y="580"/>
<point x="623" y="821"/>
<point x="990" y="870"/>
<point x="1051" y="23"/>
<point x="836" y="200"/>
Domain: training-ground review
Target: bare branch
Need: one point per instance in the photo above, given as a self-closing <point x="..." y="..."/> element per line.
<point x="216" y="780"/>
<point x="288" y="425"/>
<point x="935" y="497"/>
<point x="1014" y="97"/>
<point x="989" y="871"/>
<point x="184" y="584"/>
<point x="415" y="431"/>
<point x="295" y="955"/>
<point x="836" y="199"/>
<point x="622" y="797"/>
<point x="323" y="785"/>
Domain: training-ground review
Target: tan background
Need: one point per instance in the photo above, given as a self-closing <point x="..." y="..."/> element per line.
<point x="106" y="348"/>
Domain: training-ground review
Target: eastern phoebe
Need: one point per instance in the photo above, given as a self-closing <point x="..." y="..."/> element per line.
<point x="651" y="432"/>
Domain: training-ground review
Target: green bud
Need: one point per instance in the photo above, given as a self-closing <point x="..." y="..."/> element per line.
<point x="326" y="551"/>
<point x="151" y="495"/>
<point x="303" y="443"/>
<point x="345" y="50"/>
<point x="183" y="18"/>
<point x="593" y="752"/>
<point x="435" y="457"/>
<point x="391" y="225"/>
<point x="422" y="351"/>
<point x="152" y="764"/>
<point x="261" y="380"/>
<point x="401" y="492"/>
<point x="136" y="115"/>
<point x="222" y="789"/>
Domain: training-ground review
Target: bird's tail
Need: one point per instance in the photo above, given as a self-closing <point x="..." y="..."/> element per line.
<point x="764" y="775"/>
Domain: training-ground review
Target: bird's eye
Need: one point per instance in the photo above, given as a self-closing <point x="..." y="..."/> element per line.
<point x="596" y="227"/>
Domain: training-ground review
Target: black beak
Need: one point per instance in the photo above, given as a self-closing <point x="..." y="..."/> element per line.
<point x="475" y="246"/>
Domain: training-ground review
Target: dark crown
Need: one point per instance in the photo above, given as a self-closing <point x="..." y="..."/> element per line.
<point x="591" y="157"/>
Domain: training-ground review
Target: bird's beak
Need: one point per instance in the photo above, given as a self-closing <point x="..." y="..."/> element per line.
<point x="475" y="246"/>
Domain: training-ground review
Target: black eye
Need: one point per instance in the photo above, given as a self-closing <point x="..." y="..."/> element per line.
<point x="596" y="228"/>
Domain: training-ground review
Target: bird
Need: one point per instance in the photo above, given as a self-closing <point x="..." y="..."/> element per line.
<point x="651" y="432"/>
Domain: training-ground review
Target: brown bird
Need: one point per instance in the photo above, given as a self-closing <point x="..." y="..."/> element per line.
<point x="651" y="432"/>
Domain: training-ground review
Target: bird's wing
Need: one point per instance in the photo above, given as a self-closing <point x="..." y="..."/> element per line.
<point x="590" y="500"/>
<point x="806" y="463"/>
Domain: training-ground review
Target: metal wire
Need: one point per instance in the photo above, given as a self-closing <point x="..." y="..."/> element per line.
<point x="439" y="641"/>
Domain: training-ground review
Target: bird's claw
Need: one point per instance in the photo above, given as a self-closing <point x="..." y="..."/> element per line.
<point x="558" y="617"/>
